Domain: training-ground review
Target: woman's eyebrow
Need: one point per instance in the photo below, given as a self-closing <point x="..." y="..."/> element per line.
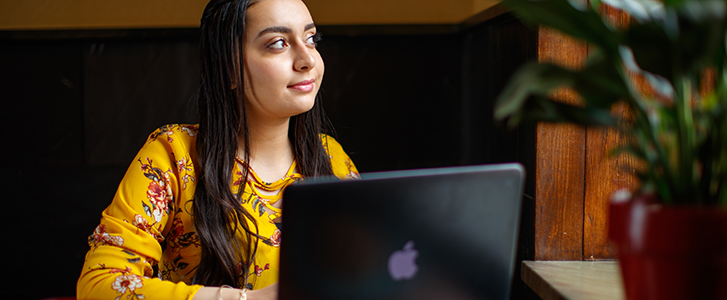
<point x="283" y="29"/>
<point x="276" y="29"/>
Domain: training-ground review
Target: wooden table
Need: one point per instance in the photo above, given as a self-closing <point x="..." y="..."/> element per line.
<point x="574" y="280"/>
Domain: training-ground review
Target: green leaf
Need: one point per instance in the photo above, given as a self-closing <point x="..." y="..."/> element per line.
<point x="532" y="78"/>
<point x="599" y="83"/>
<point x="564" y="113"/>
<point x="682" y="137"/>
<point x="651" y="48"/>
<point x="526" y="95"/>
<point x="629" y="150"/>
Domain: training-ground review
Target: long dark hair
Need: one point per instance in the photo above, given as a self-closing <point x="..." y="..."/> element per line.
<point x="218" y="212"/>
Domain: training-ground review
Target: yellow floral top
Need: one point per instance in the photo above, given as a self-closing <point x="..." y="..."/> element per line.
<point x="149" y="223"/>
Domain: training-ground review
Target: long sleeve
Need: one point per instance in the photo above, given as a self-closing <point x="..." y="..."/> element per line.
<point x="133" y="229"/>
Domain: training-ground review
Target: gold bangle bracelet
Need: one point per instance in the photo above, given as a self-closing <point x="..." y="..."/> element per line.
<point x="219" y="292"/>
<point x="243" y="292"/>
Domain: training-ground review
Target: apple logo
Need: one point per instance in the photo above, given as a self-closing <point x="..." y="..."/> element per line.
<point x="402" y="263"/>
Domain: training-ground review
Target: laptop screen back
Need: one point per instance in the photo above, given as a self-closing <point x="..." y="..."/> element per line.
<point x="447" y="233"/>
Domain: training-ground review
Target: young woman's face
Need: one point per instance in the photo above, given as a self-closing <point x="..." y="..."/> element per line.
<point x="283" y="70"/>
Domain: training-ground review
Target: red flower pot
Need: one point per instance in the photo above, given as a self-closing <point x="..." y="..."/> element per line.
<point x="670" y="252"/>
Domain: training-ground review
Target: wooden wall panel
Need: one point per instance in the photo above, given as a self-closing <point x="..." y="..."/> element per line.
<point x="575" y="174"/>
<point x="604" y="174"/>
<point x="559" y="192"/>
<point x="560" y="164"/>
<point x="599" y="167"/>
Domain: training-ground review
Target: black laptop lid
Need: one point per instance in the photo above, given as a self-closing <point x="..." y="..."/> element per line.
<point x="447" y="233"/>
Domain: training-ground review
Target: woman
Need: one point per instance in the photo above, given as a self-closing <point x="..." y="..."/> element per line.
<point x="184" y="210"/>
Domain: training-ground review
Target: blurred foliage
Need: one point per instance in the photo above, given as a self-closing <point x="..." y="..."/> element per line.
<point x="678" y="132"/>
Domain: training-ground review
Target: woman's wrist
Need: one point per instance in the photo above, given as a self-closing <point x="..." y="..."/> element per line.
<point x="229" y="293"/>
<point x="217" y="293"/>
<point x="240" y="294"/>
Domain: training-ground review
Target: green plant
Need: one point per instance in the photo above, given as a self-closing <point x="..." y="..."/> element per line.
<point x="678" y="133"/>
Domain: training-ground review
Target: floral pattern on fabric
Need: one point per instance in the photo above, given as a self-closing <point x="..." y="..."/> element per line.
<point x="101" y="237"/>
<point x="259" y="270"/>
<point x="352" y="172"/>
<point x="127" y="282"/>
<point x="169" y="130"/>
<point x="159" y="191"/>
<point x="275" y="238"/>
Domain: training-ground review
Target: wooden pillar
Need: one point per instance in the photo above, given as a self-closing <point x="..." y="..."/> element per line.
<point x="560" y="163"/>
<point x="574" y="173"/>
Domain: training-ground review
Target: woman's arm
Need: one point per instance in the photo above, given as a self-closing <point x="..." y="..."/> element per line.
<point x="127" y="242"/>
<point x="214" y="293"/>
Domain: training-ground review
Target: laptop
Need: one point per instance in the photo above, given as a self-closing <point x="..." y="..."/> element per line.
<point x="443" y="233"/>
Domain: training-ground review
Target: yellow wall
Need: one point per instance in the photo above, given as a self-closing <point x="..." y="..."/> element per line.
<point x="74" y="14"/>
<point x="99" y="14"/>
<point x="395" y="11"/>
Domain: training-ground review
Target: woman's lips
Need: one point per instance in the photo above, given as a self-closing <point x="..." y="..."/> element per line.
<point x="304" y="86"/>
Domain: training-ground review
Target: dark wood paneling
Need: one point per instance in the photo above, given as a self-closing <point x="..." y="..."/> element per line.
<point x="493" y="51"/>
<point x="132" y="88"/>
<point x="40" y="88"/>
<point x="50" y="212"/>
<point x="394" y="100"/>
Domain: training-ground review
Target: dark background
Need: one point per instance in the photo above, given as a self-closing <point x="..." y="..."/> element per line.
<point x="77" y="106"/>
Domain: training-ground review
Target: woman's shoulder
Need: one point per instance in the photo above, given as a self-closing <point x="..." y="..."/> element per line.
<point x="341" y="163"/>
<point x="175" y="133"/>
<point x="171" y="142"/>
<point x="330" y="143"/>
<point x="332" y="146"/>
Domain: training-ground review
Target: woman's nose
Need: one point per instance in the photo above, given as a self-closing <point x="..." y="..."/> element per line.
<point x="304" y="59"/>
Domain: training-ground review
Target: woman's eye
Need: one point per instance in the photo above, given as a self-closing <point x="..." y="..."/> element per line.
<point x="314" y="39"/>
<point x="279" y="44"/>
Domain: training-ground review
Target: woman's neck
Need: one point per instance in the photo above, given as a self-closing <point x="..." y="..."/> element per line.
<point x="271" y="152"/>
